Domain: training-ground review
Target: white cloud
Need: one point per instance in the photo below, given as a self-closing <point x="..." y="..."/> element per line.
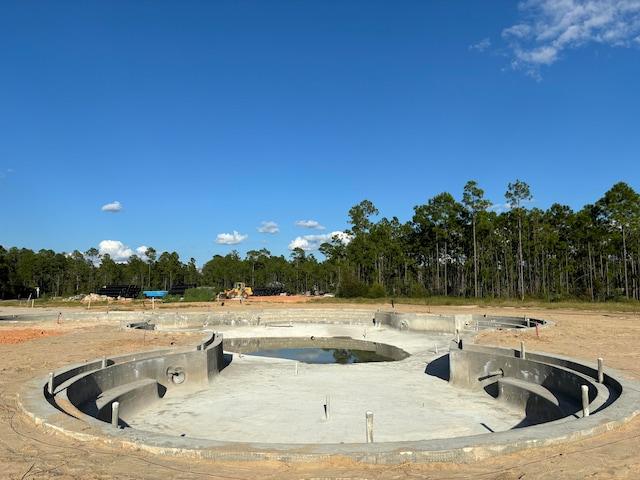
<point x="313" y="242"/>
<point x="309" y="224"/>
<point x="342" y="237"/>
<point x="230" y="238"/>
<point x="481" y="46"/>
<point x="553" y="27"/>
<point x="499" y="207"/>
<point x="118" y="252"/>
<point x="306" y="243"/>
<point x="141" y="252"/>
<point x="269" y="227"/>
<point x="503" y="207"/>
<point x="112" y="207"/>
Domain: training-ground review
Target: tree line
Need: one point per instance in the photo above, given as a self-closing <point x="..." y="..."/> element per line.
<point x="450" y="247"/>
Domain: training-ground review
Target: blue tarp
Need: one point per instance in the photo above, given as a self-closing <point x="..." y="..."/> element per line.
<point x="155" y="293"/>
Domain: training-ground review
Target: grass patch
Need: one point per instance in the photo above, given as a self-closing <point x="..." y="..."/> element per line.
<point x="617" y="306"/>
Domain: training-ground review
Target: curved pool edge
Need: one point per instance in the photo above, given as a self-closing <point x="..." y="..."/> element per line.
<point x="460" y="449"/>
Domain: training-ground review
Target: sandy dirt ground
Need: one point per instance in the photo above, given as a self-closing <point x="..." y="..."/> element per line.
<point x="29" y="350"/>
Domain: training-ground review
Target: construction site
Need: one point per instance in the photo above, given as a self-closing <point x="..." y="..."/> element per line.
<point x="278" y="391"/>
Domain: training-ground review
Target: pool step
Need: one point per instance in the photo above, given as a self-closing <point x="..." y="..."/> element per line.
<point x="539" y="403"/>
<point x="542" y="404"/>
<point x="132" y="396"/>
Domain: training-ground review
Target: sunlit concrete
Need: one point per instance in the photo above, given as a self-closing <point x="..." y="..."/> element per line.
<point x="259" y="399"/>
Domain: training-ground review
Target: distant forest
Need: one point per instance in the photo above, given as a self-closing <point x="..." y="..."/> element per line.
<point x="449" y="248"/>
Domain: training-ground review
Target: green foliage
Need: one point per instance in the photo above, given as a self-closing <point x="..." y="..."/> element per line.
<point x="201" y="294"/>
<point x="377" y="291"/>
<point x="556" y="297"/>
<point x="616" y="295"/>
<point x="450" y="251"/>
<point x="172" y="299"/>
<point x="353" y="288"/>
<point x="419" y="291"/>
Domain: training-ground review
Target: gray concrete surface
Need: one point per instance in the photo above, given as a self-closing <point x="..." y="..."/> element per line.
<point x="259" y="399"/>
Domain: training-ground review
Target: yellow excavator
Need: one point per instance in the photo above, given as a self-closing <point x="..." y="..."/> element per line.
<point x="239" y="290"/>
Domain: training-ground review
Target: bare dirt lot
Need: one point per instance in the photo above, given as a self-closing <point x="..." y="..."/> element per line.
<point x="29" y="350"/>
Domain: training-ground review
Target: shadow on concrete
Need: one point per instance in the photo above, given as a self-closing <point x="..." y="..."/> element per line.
<point x="523" y="424"/>
<point x="228" y="358"/>
<point x="439" y="368"/>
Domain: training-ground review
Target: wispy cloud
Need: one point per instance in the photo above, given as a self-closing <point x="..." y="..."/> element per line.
<point x="552" y="27"/>
<point x="503" y="207"/>
<point x="4" y="173"/>
<point x="268" y="227"/>
<point x="309" y="224"/>
<point x="114" y="207"/>
<point x="313" y="242"/>
<point x="481" y="46"/>
<point x="230" y="238"/>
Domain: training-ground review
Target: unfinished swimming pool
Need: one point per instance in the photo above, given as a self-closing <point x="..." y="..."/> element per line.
<point x="448" y="400"/>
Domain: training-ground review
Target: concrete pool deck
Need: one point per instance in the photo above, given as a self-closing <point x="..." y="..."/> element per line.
<point x="271" y="400"/>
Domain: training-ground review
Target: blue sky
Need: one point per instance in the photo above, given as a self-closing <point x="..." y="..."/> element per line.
<point x="203" y="127"/>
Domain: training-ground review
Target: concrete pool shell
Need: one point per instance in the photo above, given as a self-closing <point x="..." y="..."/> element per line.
<point x="436" y="355"/>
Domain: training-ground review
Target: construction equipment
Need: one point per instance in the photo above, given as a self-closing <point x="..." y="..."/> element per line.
<point x="274" y="288"/>
<point x="239" y="290"/>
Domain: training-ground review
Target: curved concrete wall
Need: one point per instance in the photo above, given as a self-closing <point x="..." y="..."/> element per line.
<point x="135" y="381"/>
<point x="527" y="380"/>
<point x="456" y="323"/>
<point x="91" y="389"/>
<point x="462" y="323"/>
<point x="219" y="316"/>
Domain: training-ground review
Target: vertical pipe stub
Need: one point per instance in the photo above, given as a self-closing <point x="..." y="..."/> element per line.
<point x="115" y="413"/>
<point x="50" y="387"/>
<point x="585" y="400"/>
<point x="600" y="370"/>
<point x="523" y="353"/>
<point x="369" y="417"/>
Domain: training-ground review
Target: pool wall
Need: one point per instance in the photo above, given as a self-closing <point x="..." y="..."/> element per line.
<point x="545" y="387"/>
<point x="542" y="385"/>
<point x="426" y="322"/>
<point x="456" y="323"/>
<point x="134" y="381"/>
